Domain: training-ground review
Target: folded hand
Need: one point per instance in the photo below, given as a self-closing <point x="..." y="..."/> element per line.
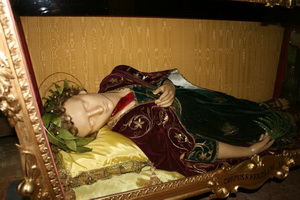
<point x="168" y="94"/>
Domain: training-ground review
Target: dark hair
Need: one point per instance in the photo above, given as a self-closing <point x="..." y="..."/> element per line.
<point x="54" y="104"/>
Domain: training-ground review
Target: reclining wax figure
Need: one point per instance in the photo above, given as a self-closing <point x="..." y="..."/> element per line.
<point x="175" y="123"/>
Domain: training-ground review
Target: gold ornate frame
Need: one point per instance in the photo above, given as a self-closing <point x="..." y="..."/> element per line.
<point x="18" y="101"/>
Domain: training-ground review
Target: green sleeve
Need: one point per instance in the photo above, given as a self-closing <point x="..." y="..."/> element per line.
<point x="205" y="150"/>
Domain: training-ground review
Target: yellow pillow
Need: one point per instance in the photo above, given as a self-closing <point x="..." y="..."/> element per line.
<point x="110" y="150"/>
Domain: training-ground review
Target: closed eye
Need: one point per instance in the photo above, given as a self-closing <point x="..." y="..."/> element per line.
<point x="85" y="105"/>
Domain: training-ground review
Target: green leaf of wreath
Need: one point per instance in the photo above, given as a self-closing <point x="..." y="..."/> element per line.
<point x="56" y="120"/>
<point x="57" y="141"/>
<point x="83" y="141"/>
<point x="71" y="144"/>
<point x="66" y="135"/>
<point x="47" y="119"/>
<point x="83" y="149"/>
<point x="59" y="88"/>
<point x="66" y="84"/>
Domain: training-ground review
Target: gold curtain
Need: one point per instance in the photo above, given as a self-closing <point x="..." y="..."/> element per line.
<point x="238" y="58"/>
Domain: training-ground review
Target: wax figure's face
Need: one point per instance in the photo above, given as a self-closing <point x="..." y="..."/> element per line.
<point x="89" y="112"/>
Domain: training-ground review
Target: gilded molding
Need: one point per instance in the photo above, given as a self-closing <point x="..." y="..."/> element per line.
<point x="286" y="3"/>
<point x="13" y="90"/>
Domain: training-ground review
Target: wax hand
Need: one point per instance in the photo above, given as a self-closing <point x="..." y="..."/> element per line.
<point x="231" y="151"/>
<point x="265" y="142"/>
<point x="168" y="93"/>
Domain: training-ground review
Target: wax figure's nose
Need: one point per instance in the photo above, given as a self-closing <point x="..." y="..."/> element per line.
<point x="96" y="111"/>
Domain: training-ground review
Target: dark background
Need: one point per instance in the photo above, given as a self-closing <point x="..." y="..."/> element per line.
<point x="201" y="9"/>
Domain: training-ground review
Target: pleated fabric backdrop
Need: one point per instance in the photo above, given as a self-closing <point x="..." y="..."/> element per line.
<point x="235" y="57"/>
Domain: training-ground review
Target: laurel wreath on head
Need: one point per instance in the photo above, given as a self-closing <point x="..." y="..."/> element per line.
<point x="58" y="125"/>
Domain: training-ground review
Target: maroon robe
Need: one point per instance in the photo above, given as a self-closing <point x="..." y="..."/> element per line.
<point x="156" y="130"/>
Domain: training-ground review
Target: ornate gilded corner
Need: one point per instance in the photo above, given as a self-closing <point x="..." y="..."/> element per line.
<point x="288" y="162"/>
<point x="18" y="104"/>
<point x="285" y="168"/>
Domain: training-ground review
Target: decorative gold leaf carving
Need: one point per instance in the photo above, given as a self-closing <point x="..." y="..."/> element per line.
<point x="284" y="170"/>
<point x="8" y="102"/>
<point x="256" y="162"/>
<point x="31" y="171"/>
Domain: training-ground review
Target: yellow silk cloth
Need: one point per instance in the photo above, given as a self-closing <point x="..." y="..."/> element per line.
<point x="123" y="183"/>
<point x="109" y="148"/>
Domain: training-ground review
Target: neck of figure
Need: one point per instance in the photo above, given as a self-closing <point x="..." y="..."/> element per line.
<point x="115" y="96"/>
